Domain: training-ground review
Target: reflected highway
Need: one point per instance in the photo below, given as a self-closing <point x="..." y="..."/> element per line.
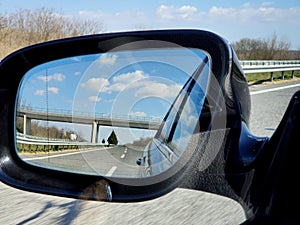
<point x="117" y="161"/>
<point x="178" y="207"/>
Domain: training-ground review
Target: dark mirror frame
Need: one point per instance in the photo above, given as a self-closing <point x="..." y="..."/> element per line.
<point x="17" y="173"/>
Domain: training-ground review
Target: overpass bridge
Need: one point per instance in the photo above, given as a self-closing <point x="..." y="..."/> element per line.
<point x="96" y="120"/>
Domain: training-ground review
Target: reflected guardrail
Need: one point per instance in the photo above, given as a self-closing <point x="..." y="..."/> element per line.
<point x="34" y="140"/>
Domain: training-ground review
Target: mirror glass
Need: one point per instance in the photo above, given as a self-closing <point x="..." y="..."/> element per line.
<point x="124" y="113"/>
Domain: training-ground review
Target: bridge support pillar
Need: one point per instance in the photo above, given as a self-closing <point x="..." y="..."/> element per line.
<point x="95" y="131"/>
<point x="26" y="125"/>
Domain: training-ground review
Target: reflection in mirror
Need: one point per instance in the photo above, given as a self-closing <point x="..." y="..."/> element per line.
<point x="103" y="114"/>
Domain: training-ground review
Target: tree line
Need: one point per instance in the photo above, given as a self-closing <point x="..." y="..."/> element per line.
<point x="271" y="48"/>
<point x="25" y="27"/>
<point x="45" y="131"/>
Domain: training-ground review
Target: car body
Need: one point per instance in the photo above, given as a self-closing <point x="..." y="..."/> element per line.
<point x="215" y="152"/>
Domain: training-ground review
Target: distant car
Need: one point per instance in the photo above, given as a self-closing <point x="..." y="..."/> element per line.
<point x="203" y="143"/>
<point x="139" y="161"/>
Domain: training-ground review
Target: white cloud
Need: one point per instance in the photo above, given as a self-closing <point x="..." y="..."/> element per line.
<point x="238" y="21"/>
<point x="251" y="14"/>
<point x="186" y="11"/>
<point x="216" y="16"/>
<point x="219" y="11"/>
<point x="172" y="12"/>
<point x="94" y="99"/>
<point x="269" y="14"/>
<point x="107" y="59"/>
<point x="165" y="12"/>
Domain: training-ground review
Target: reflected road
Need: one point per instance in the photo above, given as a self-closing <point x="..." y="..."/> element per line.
<point x="117" y="161"/>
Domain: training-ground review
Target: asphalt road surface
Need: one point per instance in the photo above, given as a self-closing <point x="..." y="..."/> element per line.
<point x="178" y="207"/>
<point x="268" y="103"/>
<point x="106" y="161"/>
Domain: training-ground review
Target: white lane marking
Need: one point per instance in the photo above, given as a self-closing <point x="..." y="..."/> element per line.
<point x="111" y="171"/>
<point x="273" y="89"/>
<point x="58" y="155"/>
<point x="123" y="156"/>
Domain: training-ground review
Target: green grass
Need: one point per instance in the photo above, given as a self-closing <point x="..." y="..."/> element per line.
<point x="42" y="148"/>
<point x="263" y="77"/>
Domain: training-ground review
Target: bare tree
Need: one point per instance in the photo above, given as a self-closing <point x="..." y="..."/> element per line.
<point x="26" y="27"/>
<point x="74" y="27"/>
<point x="2" y="22"/>
<point x="262" y="49"/>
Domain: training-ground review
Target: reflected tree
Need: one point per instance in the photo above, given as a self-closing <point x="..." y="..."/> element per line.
<point x="112" y="139"/>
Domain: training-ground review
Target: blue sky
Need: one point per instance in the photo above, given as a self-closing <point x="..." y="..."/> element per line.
<point x="230" y="18"/>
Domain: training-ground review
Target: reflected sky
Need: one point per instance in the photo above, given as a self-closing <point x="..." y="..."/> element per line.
<point x="141" y="83"/>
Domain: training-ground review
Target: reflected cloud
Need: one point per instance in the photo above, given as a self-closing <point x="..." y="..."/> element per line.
<point x="158" y="89"/>
<point x="125" y="80"/>
<point x="108" y="59"/>
<point x="94" y="99"/>
<point x="53" y="90"/>
<point x="56" y="76"/>
<point x="97" y="84"/>
<point x="137" y="79"/>
<point x="39" y="92"/>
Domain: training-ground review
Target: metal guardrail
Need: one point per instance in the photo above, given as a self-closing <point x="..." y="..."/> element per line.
<point x="270" y="66"/>
<point x="245" y="63"/>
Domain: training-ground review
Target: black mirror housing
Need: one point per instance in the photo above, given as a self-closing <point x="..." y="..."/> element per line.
<point x="227" y="73"/>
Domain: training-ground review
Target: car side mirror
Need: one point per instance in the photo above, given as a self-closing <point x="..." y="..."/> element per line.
<point x="122" y="116"/>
